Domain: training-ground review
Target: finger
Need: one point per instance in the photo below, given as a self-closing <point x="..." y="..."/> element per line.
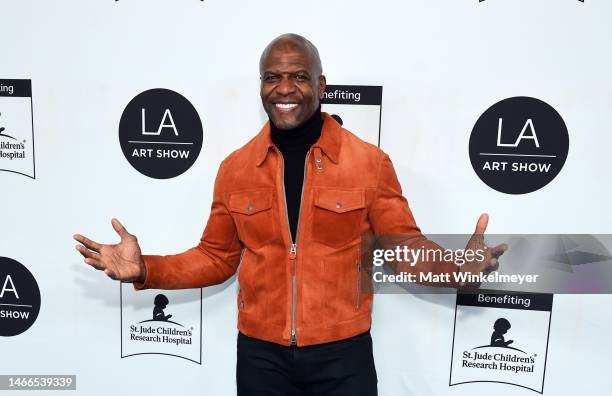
<point x="89" y="244"/>
<point x="120" y="229"/>
<point x="97" y="264"/>
<point x="481" y="224"/>
<point x="493" y="265"/>
<point x="498" y="250"/>
<point x="87" y="253"/>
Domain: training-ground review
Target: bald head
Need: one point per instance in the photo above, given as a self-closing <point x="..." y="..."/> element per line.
<point x="292" y="41"/>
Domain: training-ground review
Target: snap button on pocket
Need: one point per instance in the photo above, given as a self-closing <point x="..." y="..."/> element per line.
<point x="253" y="216"/>
<point x="337" y="215"/>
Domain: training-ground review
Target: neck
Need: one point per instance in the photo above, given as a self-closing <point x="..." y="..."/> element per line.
<point x="301" y="136"/>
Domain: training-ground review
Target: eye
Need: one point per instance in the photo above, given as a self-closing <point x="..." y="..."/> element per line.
<point x="270" y="78"/>
<point x="300" y="77"/>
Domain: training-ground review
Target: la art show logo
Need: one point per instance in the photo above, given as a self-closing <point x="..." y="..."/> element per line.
<point x="160" y="133"/>
<point x="501" y="337"/>
<point x="19" y="298"/>
<point x="519" y="145"/>
<point x="16" y="128"/>
<point x="168" y="323"/>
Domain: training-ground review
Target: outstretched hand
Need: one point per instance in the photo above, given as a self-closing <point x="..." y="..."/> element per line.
<point x="491" y="254"/>
<point x="121" y="261"/>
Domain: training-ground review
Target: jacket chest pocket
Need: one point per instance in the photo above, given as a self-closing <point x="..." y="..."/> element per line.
<point x="337" y="216"/>
<point x="253" y="215"/>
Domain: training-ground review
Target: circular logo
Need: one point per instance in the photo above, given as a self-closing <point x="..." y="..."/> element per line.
<point x="518" y="145"/>
<point x="19" y="298"/>
<point x="160" y="133"/>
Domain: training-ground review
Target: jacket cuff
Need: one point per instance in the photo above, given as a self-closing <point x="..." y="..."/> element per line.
<point x="149" y="269"/>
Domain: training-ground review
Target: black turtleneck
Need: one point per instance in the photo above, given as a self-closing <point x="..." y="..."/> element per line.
<point x="294" y="144"/>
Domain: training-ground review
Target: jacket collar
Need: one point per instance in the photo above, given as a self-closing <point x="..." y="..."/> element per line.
<point x="329" y="141"/>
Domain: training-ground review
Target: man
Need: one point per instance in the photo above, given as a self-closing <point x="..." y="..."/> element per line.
<point x="290" y="207"/>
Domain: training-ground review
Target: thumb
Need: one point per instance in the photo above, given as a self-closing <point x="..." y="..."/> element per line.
<point x="120" y="229"/>
<point x="481" y="224"/>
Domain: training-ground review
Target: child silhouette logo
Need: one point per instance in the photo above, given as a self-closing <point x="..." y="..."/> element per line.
<point x="160" y="303"/>
<point x="3" y="134"/>
<point x="501" y="327"/>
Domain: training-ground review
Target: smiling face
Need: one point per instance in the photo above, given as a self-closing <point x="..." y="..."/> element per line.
<point x="291" y="83"/>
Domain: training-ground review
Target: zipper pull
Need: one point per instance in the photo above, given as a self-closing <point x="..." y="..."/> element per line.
<point x="292" y="257"/>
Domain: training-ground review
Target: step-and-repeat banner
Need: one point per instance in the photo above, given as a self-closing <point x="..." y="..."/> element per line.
<point x="126" y="108"/>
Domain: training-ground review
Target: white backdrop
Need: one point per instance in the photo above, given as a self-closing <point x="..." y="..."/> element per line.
<point x="441" y="63"/>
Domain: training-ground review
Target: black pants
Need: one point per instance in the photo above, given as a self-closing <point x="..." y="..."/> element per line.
<point x="338" y="368"/>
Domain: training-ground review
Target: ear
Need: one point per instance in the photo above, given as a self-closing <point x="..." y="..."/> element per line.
<point x="322" y="85"/>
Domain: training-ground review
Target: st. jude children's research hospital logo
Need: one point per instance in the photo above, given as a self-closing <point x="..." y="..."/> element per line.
<point x="357" y="108"/>
<point x="501" y="337"/>
<point x="16" y="128"/>
<point x="168" y="323"/>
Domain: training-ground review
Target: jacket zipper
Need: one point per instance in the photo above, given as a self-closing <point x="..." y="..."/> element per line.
<point x="293" y="248"/>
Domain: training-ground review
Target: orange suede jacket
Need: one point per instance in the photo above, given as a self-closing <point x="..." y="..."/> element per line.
<point x="306" y="291"/>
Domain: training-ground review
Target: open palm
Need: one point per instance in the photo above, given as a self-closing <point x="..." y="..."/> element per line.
<point x="121" y="261"/>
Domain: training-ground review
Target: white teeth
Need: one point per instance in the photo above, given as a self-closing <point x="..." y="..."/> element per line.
<point x="286" y="105"/>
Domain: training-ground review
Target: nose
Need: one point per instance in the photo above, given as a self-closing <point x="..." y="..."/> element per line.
<point x="285" y="86"/>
